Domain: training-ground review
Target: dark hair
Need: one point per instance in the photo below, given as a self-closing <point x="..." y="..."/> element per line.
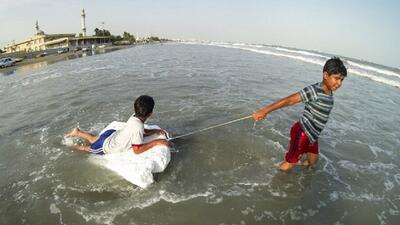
<point x="144" y="106"/>
<point x="335" y="66"/>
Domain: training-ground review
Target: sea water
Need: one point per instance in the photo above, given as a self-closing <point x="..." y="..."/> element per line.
<point x="226" y="175"/>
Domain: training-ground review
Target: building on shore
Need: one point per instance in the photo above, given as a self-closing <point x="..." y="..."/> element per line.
<point x="42" y="42"/>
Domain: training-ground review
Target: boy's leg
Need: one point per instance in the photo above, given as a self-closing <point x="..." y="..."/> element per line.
<point x="312" y="155"/>
<point x="84" y="135"/>
<point x="84" y="148"/>
<point x="298" y="141"/>
<point x="311" y="160"/>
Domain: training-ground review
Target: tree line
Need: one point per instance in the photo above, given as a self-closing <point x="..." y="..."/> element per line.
<point x="126" y="36"/>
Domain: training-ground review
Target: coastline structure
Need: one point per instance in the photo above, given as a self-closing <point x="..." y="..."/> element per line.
<point x="41" y="41"/>
<point x="83" y="22"/>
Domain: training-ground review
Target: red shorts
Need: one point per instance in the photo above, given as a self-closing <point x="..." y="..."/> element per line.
<point x="299" y="144"/>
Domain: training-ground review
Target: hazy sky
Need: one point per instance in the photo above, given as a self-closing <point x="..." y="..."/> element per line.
<point x="368" y="30"/>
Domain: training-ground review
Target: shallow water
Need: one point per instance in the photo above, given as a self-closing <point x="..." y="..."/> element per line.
<point x="226" y="175"/>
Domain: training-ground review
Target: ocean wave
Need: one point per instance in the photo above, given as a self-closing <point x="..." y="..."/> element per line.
<point x="103" y="216"/>
<point x="321" y="61"/>
<point x="313" y="58"/>
<point x="249" y="45"/>
<point x="370" y="68"/>
<point x="375" y="78"/>
<point x="38" y="79"/>
<point x="267" y="52"/>
<point x="301" y="52"/>
<point x="370" y="168"/>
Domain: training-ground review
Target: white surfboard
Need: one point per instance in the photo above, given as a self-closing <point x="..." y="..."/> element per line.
<point x="138" y="169"/>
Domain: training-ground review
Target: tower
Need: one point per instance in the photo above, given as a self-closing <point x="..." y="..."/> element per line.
<point x="38" y="31"/>
<point x="83" y="24"/>
<point x="37" y="26"/>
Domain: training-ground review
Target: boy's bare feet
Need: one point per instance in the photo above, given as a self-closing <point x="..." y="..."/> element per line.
<point x="305" y="163"/>
<point x="73" y="133"/>
<point x="285" y="166"/>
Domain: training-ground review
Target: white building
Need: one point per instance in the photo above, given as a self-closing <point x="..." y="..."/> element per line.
<point x="41" y="41"/>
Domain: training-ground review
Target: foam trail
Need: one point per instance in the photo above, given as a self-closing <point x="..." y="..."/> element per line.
<point x="266" y="52"/>
<point x="250" y="45"/>
<point x="320" y="61"/>
<point x="375" y="78"/>
<point x="381" y="71"/>
<point x="301" y="52"/>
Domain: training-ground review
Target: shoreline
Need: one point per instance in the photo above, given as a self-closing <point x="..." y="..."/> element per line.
<point x="34" y="63"/>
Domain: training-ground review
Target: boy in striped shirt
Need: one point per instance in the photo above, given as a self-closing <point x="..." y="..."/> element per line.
<point x="318" y="101"/>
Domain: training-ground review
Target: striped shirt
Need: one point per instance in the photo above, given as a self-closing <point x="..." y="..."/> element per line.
<point x="318" y="105"/>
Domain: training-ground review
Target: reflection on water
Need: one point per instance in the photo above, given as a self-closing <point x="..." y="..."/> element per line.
<point x="8" y="71"/>
<point x="23" y="68"/>
<point x="33" y="66"/>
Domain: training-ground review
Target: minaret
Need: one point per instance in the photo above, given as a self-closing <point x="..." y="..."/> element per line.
<point x="38" y="31"/>
<point x="83" y="15"/>
<point x="37" y="27"/>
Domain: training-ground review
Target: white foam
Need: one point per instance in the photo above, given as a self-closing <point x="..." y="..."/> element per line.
<point x="278" y="194"/>
<point x="314" y="59"/>
<point x="39" y="78"/>
<point x="54" y="209"/>
<point x="175" y="198"/>
<point x="248" y="45"/>
<point x="234" y="191"/>
<point x="67" y="141"/>
<point x="55" y="157"/>
<point x="333" y="196"/>
<point x="38" y="175"/>
<point x="322" y="62"/>
<point x="370" y="168"/>
<point x="247" y="211"/>
<point x="370" y="197"/>
<point x="388" y="185"/>
<point x="331" y="169"/>
<point x="44" y="135"/>
<point x="312" y="212"/>
<point x="266" y="52"/>
<point x="377" y="151"/>
<point x="301" y="52"/>
<point x="375" y="78"/>
<point x="393" y="212"/>
<point x="397" y="178"/>
<point x="381" y="71"/>
<point x="269" y="215"/>
<point x="295" y="215"/>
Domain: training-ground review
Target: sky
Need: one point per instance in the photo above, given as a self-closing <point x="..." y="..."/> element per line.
<point x="366" y="30"/>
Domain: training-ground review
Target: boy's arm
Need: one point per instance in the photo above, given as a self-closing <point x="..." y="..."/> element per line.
<point x="288" y="101"/>
<point x="137" y="149"/>
<point x="148" y="132"/>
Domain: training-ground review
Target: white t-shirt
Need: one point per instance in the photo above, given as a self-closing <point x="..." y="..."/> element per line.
<point x="123" y="139"/>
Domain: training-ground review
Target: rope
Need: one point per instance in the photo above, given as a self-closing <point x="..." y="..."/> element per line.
<point x="208" y="128"/>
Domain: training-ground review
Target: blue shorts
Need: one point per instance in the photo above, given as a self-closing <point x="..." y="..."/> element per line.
<point x="97" y="146"/>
